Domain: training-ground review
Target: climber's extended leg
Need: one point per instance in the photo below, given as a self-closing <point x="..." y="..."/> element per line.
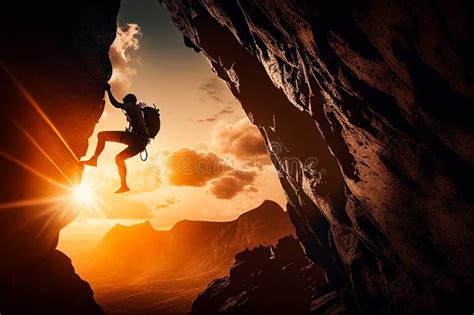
<point x="122" y="168"/>
<point x="102" y="137"/>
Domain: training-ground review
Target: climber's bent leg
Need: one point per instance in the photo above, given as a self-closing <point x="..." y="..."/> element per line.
<point x="102" y="137"/>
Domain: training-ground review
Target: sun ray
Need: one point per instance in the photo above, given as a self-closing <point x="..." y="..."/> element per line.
<point x="31" y="202"/>
<point x="65" y="210"/>
<point x="61" y="213"/>
<point x="97" y="210"/>
<point x="93" y="203"/>
<point x="38" y="109"/>
<point x="63" y="200"/>
<point x="38" y="146"/>
<point x="31" y="169"/>
<point x="83" y="197"/>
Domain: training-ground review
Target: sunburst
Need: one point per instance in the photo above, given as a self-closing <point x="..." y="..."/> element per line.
<point x="80" y="195"/>
<point x="83" y="194"/>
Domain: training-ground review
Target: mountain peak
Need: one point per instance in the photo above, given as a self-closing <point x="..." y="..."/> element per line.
<point x="144" y="225"/>
<point x="266" y="208"/>
<point x="269" y="203"/>
<point x="139" y="227"/>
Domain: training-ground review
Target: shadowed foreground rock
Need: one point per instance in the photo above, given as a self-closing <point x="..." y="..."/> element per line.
<point x="271" y="280"/>
<point x="366" y="107"/>
<point x="50" y="287"/>
<point x="53" y="66"/>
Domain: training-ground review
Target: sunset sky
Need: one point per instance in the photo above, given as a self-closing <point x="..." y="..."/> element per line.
<point x="201" y="121"/>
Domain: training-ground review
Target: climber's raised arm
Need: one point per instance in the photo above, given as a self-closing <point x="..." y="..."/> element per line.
<point x="112" y="99"/>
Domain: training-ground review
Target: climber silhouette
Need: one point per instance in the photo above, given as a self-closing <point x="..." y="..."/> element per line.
<point x="136" y="136"/>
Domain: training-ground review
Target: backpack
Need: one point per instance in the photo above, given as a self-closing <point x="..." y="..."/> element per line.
<point x="152" y="119"/>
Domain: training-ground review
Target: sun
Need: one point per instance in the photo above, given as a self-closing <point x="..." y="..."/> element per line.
<point x="83" y="194"/>
<point x="84" y="197"/>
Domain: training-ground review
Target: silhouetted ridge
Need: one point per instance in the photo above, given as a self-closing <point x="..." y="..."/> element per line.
<point x="199" y="244"/>
<point x="186" y="257"/>
<point x="267" y="208"/>
<point x="271" y="280"/>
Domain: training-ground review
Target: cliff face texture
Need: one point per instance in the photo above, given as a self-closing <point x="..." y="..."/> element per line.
<point x="53" y="66"/>
<point x="366" y="108"/>
<point x="278" y="279"/>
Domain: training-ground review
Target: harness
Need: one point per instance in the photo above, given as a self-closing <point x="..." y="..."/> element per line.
<point x="130" y="129"/>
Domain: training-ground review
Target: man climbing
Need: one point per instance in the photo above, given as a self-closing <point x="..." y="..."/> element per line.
<point x="142" y="127"/>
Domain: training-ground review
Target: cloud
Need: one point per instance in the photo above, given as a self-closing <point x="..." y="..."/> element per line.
<point x="188" y="167"/>
<point x="227" y="110"/>
<point x="145" y="179"/>
<point x="168" y="202"/>
<point x="228" y="186"/>
<point x="209" y="119"/>
<point x="120" y="54"/>
<point x="242" y="140"/>
<point x="213" y="89"/>
<point x="252" y="189"/>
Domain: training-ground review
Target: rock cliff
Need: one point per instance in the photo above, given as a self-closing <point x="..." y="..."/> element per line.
<point x="366" y="109"/>
<point x="53" y="66"/>
<point x="271" y="280"/>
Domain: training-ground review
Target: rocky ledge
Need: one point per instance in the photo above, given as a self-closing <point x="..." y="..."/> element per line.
<point x="271" y="280"/>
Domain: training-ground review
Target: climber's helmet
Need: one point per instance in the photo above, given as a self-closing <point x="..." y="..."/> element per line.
<point x="130" y="98"/>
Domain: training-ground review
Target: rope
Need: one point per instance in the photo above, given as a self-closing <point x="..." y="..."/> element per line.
<point x="146" y="156"/>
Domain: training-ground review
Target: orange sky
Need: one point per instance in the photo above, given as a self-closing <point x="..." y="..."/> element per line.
<point x="200" y="119"/>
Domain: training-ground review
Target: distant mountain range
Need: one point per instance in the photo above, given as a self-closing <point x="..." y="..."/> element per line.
<point x="137" y="262"/>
